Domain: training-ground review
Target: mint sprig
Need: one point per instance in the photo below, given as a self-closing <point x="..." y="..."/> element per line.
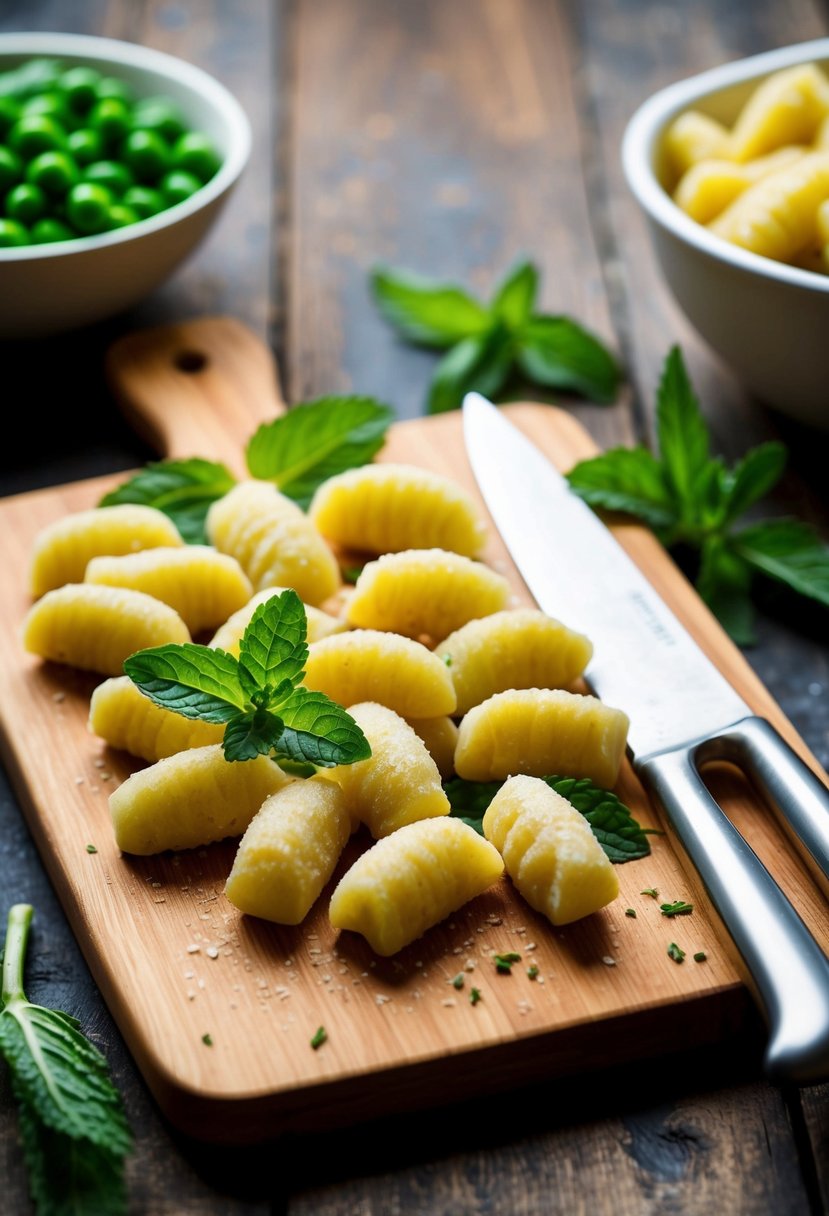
<point x="488" y="345"/>
<point x="296" y="451"/>
<point x="692" y="499"/>
<point x="73" y="1129"/>
<point x="256" y="696"/>
<point x="613" y="824"/>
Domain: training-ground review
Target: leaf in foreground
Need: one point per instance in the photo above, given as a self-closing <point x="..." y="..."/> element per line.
<point x="626" y="479"/>
<point x="561" y="354"/>
<point x="424" y="310"/>
<point x="319" y="731"/>
<point x="183" y="489"/>
<point x="198" y="682"/>
<point x="790" y="552"/>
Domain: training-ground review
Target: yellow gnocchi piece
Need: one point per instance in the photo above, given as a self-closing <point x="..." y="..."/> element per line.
<point x="399" y="783"/>
<point x="712" y="185"/>
<point x="96" y="627"/>
<point x="693" y="137"/>
<point x="274" y="541"/>
<point x="518" y="649"/>
<point x="787" y="108"/>
<point x="542" y="732"/>
<point x="203" y="586"/>
<point x="424" y="591"/>
<point x="383" y="508"/>
<point x="124" y="718"/>
<point x="229" y="635"/>
<point x="367" y="665"/>
<point x="549" y="851"/>
<point x="191" y="799"/>
<point x="63" y="550"/>
<point x="412" y="880"/>
<point x="821" y="141"/>
<point x="441" y="738"/>
<point x="776" y="217"/>
<point x="289" y="852"/>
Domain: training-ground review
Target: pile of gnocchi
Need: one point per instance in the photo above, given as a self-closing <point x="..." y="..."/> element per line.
<point x="427" y="636"/>
<point x="763" y="184"/>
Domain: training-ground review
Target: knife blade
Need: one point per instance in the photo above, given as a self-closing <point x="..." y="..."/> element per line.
<point x="683" y="713"/>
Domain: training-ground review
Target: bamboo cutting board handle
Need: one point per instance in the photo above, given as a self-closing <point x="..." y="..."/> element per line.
<point x="198" y="388"/>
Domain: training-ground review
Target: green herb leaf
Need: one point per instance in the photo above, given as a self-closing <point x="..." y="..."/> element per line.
<point x="314" y="441"/>
<point x="469" y="799"/>
<point x="700" y="956"/>
<point x="425" y="311"/>
<point x="532" y="971"/>
<point x="678" y="908"/>
<point x="724" y="582"/>
<point x="274" y="648"/>
<point x="318" y="731"/>
<point x="561" y="354"/>
<point x="630" y="912"/>
<point x="254" y="733"/>
<point x="790" y="552"/>
<point x="514" y="299"/>
<point x="676" y="953"/>
<point x="652" y="891"/>
<point x="474" y="996"/>
<point x="752" y="477"/>
<point x="194" y="681"/>
<point x="684" y="441"/>
<point x="480" y="364"/>
<point x="458" y="981"/>
<point x="183" y="489"/>
<point x="319" y="1038"/>
<point x="504" y="962"/>
<point x="207" y="1039"/>
<point x="626" y="479"/>
<point x="69" y="1177"/>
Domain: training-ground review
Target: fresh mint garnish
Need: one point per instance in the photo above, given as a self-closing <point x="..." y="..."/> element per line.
<point x="182" y="489"/>
<point x="73" y="1129"/>
<point x="487" y="346"/>
<point x="676" y="952"/>
<point x="678" y="908"/>
<point x="692" y="499"/>
<point x="256" y="696"/>
<point x="613" y="825"/>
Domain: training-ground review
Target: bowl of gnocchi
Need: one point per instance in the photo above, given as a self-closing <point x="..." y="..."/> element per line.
<point x="731" y="169"/>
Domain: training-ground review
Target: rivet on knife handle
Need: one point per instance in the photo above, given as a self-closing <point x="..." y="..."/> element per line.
<point x="786" y="968"/>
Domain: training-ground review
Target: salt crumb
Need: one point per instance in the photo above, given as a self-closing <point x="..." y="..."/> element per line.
<point x="380" y="999"/>
<point x="57" y="697"/>
<point x="530" y="946"/>
<point x="470" y="965"/>
<point x="493" y="920"/>
<point x="539" y="979"/>
<point x="449" y="1002"/>
<point x="212" y="952"/>
<point x="79" y="781"/>
<point x="153" y="883"/>
<point x="99" y="763"/>
<point x="521" y="930"/>
<point x="608" y="961"/>
<point x="458" y="950"/>
<point x="163" y="900"/>
<point x="189" y="975"/>
<point x="418" y="963"/>
<point x="93" y="789"/>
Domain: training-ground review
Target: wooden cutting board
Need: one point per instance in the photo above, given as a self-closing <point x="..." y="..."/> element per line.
<point x="176" y="962"/>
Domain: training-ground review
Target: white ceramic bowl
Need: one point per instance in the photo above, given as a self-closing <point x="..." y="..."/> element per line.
<point x="769" y="321"/>
<point x="48" y="288"/>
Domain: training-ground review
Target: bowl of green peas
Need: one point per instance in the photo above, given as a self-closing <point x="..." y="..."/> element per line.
<point x="115" y="161"/>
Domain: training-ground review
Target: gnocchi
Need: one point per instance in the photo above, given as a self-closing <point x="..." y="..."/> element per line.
<point x="124" y="718"/>
<point x="441" y="738"/>
<point x="367" y="665"/>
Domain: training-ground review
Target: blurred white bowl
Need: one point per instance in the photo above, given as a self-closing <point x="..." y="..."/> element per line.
<point x="48" y="288"/>
<point x="768" y="320"/>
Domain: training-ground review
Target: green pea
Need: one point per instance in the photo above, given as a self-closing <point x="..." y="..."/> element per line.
<point x="35" y="134"/>
<point x="87" y="207"/>
<point x="111" y="117"/>
<point x="11" y="168"/>
<point x="80" y="85"/>
<point x="86" y="145"/>
<point x="120" y="216"/>
<point x="12" y="233"/>
<point x="159" y="115"/>
<point x="147" y="155"/>
<point x="26" y="203"/>
<point x="55" y="172"/>
<point x="45" y="231"/>
<point x="9" y="114"/>
<point x="194" y="153"/>
<point x="50" y="105"/>
<point x="178" y="185"/>
<point x="111" y="87"/>
<point x="144" y="201"/>
<point x="37" y="76"/>
<point x="110" y="173"/>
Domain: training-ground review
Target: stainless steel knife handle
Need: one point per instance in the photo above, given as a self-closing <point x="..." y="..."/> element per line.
<point x="798" y="798"/>
<point x="786" y="967"/>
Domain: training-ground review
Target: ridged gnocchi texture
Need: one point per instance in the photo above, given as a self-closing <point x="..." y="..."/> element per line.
<point x="203" y="586"/>
<point x="441" y="738"/>
<point x="541" y="732"/>
<point x="786" y="108"/>
<point x="693" y="137"/>
<point x="191" y="799"/>
<point x="777" y="217"/>
<point x="399" y="783"/>
<point x="63" y="550"/>
<point x="289" y="852"/>
<point x="229" y="635"/>
<point x="518" y="649"/>
<point x="424" y="592"/>
<point x="274" y="541"/>
<point x="124" y="718"/>
<point x="709" y="187"/>
<point x="96" y="627"/>
<point x="549" y="851"/>
<point x="367" y="665"/>
<point x="412" y="880"/>
<point x="384" y="508"/>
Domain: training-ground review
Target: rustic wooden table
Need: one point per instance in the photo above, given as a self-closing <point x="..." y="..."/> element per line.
<point x="448" y="136"/>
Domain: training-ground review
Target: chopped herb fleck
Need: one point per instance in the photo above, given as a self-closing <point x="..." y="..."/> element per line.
<point x="630" y="912"/>
<point x="676" y="953"/>
<point x="447" y="658"/>
<point x="319" y="1038"/>
<point x="700" y="956"/>
<point x="474" y="996"/>
<point x="207" y="1039"/>
<point x="503" y="962"/>
<point x="90" y="848"/>
<point x="652" y="891"/>
<point x="678" y="908"/>
<point x="532" y="971"/>
<point x="458" y="981"/>
<point x="351" y="574"/>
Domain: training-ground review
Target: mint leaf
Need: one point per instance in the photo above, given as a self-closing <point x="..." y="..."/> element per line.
<point x="273" y="649"/>
<point x="253" y="733"/>
<point x="515" y="297"/>
<point x="626" y="479"/>
<point x="425" y="311"/>
<point x="724" y="582"/>
<point x="790" y="552"/>
<point x="69" y="1177"/>
<point x="316" y="440"/>
<point x="318" y="731"/>
<point x="481" y="364"/>
<point x="561" y="354"/>
<point x="752" y="477"/>
<point x="683" y="434"/>
<point x="194" y="681"/>
<point x="182" y="489"/>
<point x="469" y="799"/>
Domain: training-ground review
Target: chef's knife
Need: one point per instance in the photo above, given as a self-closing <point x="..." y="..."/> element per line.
<point x="683" y="713"/>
